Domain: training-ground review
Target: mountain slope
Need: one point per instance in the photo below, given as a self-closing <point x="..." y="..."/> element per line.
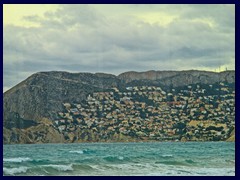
<point x="39" y="98"/>
<point x="42" y="94"/>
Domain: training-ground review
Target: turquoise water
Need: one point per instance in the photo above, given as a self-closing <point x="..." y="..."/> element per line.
<point x="121" y="159"/>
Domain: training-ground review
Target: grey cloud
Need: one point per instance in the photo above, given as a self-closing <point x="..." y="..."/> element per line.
<point x="69" y="15"/>
<point x="222" y="15"/>
<point x="12" y="75"/>
<point x="79" y="38"/>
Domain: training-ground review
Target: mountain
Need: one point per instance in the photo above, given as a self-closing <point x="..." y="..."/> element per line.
<point x="35" y="102"/>
<point x="43" y="93"/>
<point x="178" y="78"/>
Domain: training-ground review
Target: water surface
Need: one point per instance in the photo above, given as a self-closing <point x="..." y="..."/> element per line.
<point x="121" y="159"/>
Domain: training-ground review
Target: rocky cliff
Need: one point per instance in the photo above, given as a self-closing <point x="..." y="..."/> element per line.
<point x="42" y="94"/>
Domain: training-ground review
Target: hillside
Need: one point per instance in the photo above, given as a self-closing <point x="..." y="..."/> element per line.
<point x="43" y="95"/>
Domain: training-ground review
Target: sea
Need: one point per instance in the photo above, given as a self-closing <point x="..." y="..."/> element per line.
<point x="120" y="159"/>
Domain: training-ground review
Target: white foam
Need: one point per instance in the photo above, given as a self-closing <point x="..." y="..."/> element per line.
<point x="78" y="152"/>
<point x="12" y="171"/>
<point x="214" y="172"/>
<point x="60" y="167"/>
<point x="120" y="158"/>
<point x="19" y="159"/>
<point x="148" y="169"/>
<point x="196" y="171"/>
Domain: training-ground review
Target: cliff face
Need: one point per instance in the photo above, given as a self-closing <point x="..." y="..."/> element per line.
<point x="41" y="96"/>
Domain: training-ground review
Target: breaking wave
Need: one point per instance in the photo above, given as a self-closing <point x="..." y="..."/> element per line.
<point x="60" y="167"/>
<point x="78" y="152"/>
<point x="13" y="171"/>
<point x="19" y="159"/>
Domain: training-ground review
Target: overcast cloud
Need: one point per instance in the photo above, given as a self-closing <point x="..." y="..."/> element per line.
<point x="119" y="38"/>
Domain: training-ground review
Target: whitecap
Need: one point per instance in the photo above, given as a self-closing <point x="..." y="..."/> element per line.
<point x="60" y="167"/>
<point x="78" y="152"/>
<point x="120" y="158"/>
<point x="12" y="171"/>
<point x="18" y="159"/>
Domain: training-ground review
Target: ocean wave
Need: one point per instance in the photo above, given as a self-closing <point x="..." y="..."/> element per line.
<point x="167" y="155"/>
<point x="190" y="161"/>
<point x="88" y="160"/>
<point x="60" y="167"/>
<point x="186" y="162"/>
<point x="18" y="159"/>
<point x="214" y="172"/>
<point x="78" y="152"/>
<point x="13" y="171"/>
<point x="176" y="163"/>
<point x="114" y="158"/>
<point x="198" y="171"/>
<point x="40" y="161"/>
<point x="120" y="157"/>
<point x="89" y="151"/>
<point x="230" y="161"/>
<point x="85" y="167"/>
<point x="147" y="169"/>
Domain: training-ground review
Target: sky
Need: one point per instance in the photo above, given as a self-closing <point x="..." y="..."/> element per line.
<point x="116" y="38"/>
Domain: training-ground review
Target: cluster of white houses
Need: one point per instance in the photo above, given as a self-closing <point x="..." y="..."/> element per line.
<point x="150" y="113"/>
